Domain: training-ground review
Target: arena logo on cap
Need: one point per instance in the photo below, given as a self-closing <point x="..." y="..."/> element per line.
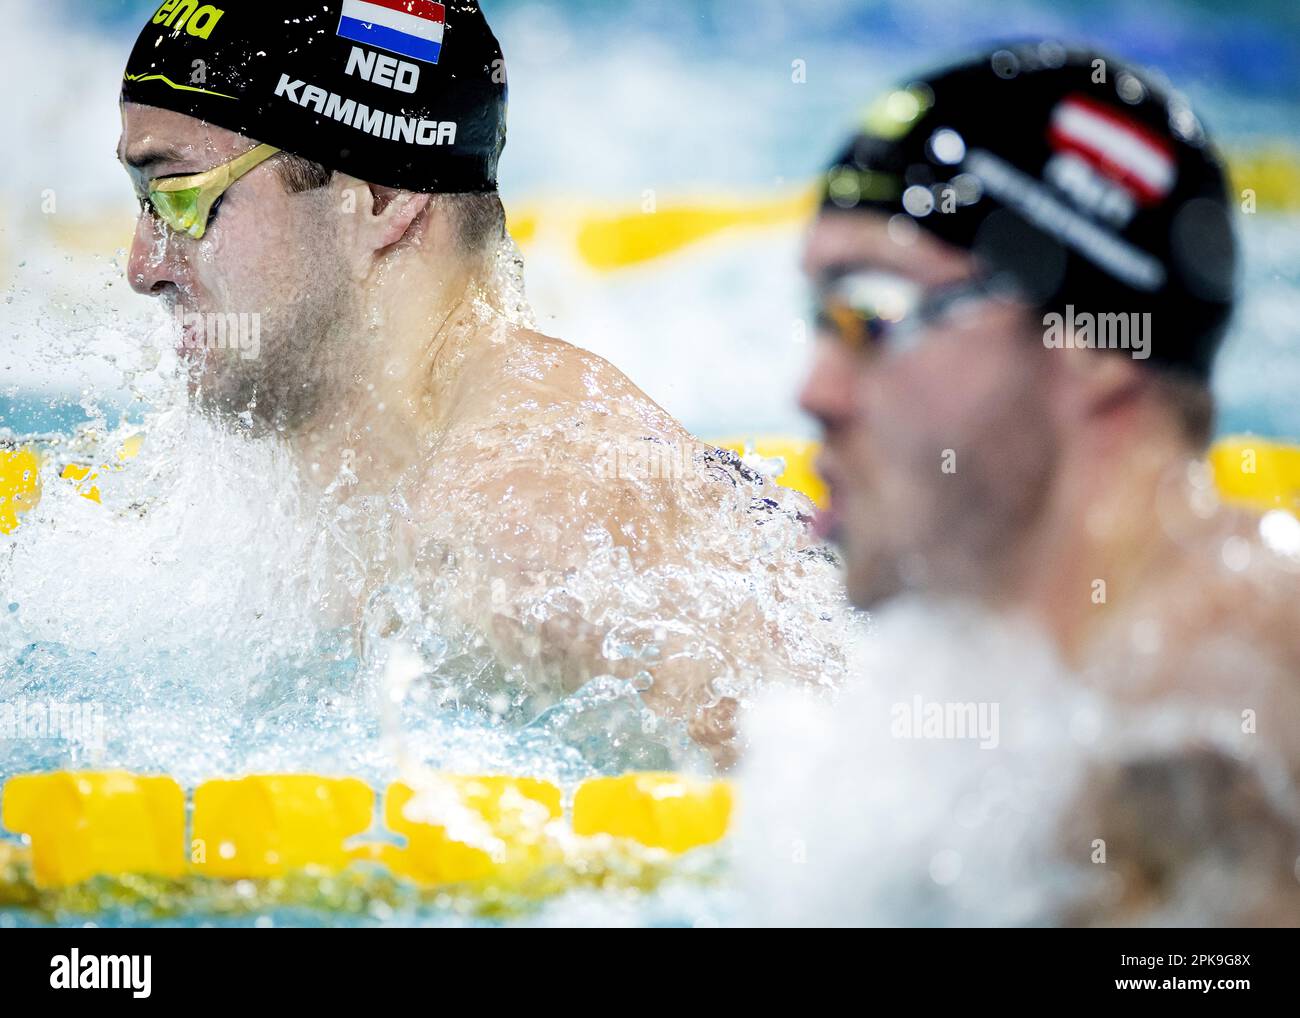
<point x="187" y="14"/>
<point x="410" y="28"/>
<point x="1115" y="146"/>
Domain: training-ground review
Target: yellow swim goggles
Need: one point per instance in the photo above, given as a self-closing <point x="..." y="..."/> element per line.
<point x="185" y="203"/>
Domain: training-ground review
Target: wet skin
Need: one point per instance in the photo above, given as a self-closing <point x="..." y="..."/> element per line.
<point x="386" y="359"/>
<point x="1077" y="502"/>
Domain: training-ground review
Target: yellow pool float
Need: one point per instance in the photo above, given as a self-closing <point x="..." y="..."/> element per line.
<point x="1258" y="473"/>
<point x="445" y="829"/>
<point x="19" y="485"/>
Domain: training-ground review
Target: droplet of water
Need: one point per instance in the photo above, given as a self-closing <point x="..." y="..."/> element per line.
<point x="945" y="867"/>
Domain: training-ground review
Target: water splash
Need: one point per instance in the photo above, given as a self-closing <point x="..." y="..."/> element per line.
<point x="231" y="615"/>
<point x="1071" y="807"/>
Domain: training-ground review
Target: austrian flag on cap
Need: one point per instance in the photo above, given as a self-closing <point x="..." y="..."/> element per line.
<point x="410" y="28"/>
<point x="1120" y="148"/>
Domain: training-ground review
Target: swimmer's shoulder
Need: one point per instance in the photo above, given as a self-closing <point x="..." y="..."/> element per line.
<point x="551" y="418"/>
<point x="544" y="373"/>
<point x="1164" y="813"/>
<point x="1275" y="602"/>
<point x="1232" y="613"/>
<point x="1254" y="592"/>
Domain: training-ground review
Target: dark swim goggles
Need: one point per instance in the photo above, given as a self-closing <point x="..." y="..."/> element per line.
<point x="881" y="312"/>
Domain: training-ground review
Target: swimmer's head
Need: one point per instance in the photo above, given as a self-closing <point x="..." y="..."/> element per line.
<point x="384" y="136"/>
<point x="984" y="234"/>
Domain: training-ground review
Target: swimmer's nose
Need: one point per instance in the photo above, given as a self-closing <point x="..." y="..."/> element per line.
<point x="154" y="264"/>
<point x="829" y="394"/>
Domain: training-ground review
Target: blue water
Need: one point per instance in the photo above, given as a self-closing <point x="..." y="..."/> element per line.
<point x="702" y="103"/>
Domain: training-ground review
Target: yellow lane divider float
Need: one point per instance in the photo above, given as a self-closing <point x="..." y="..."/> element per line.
<point x="788" y="461"/>
<point x="618" y="239"/>
<point x="657" y="810"/>
<point x="456" y="829"/>
<point x="20" y="486"/>
<point x="1257" y="473"/>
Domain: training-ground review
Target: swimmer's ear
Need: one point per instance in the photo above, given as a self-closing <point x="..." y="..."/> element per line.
<point x="381" y="216"/>
<point x="1100" y="380"/>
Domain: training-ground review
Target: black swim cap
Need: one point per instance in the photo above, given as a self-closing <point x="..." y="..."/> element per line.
<point x="401" y="93"/>
<point x="1080" y="178"/>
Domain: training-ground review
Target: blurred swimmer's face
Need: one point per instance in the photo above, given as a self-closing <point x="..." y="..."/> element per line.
<point x="261" y="300"/>
<point x="931" y="394"/>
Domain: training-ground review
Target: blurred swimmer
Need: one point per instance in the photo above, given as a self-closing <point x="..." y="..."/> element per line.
<point x="1024" y="267"/>
<point x="333" y="182"/>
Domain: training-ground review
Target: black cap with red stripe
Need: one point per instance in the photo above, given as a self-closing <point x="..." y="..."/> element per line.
<point x="1085" y="181"/>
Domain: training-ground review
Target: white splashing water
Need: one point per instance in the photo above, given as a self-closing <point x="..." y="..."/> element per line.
<point x="875" y="811"/>
<point x="226" y="612"/>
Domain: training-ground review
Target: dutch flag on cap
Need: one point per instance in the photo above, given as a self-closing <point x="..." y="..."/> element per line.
<point x="411" y="28"/>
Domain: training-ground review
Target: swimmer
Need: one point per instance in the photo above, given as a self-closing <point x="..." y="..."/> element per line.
<point x="335" y="180"/>
<point x="1024" y="266"/>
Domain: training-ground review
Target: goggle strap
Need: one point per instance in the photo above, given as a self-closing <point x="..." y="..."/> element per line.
<point x="224" y="175"/>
